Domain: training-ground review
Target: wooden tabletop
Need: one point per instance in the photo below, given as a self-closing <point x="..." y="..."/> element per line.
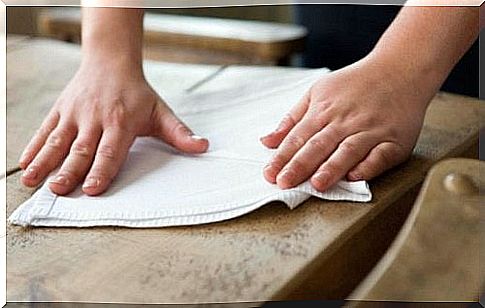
<point x="322" y="249"/>
<point x="180" y="38"/>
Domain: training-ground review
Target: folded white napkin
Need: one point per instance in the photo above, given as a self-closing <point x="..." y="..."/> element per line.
<point x="157" y="186"/>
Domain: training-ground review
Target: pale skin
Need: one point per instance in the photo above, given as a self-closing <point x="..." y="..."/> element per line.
<point x="104" y="107"/>
<point x="353" y="123"/>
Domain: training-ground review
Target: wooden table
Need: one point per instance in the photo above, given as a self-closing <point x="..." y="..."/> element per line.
<point x="188" y="39"/>
<point x="320" y="250"/>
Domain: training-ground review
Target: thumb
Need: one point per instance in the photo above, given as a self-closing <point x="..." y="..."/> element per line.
<point x="173" y="131"/>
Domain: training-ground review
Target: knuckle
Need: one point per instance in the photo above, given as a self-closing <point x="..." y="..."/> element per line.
<point x="288" y="120"/>
<point x="81" y="148"/>
<point x="348" y="148"/>
<point x="298" y="166"/>
<point x="325" y="104"/>
<point x="311" y="123"/>
<point x="55" y="141"/>
<point x="321" y="118"/>
<point x="180" y="128"/>
<point x="177" y="129"/>
<point x="364" y="169"/>
<point x="42" y="131"/>
<point x="317" y="144"/>
<point x="100" y="174"/>
<point x="333" y="135"/>
<point x="294" y="140"/>
<point x="384" y="155"/>
<point x="278" y="161"/>
<point x="107" y="152"/>
<point x="51" y="120"/>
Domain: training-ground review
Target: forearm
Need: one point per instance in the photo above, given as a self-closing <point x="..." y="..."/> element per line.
<point x="423" y="44"/>
<point x="112" y="34"/>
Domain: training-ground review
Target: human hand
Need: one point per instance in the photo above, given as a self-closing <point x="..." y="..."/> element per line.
<point x="91" y="127"/>
<point x="356" y="122"/>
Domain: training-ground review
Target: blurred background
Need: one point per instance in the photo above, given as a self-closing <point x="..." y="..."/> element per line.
<point x="313" y="36"/>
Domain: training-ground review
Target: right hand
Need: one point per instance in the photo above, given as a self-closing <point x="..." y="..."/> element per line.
<point x="91" y="127"/>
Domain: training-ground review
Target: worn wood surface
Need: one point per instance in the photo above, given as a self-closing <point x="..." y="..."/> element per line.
<point x="436" y="255"/>
<point x="195" y="39"/>
<point x="272" y="253"/>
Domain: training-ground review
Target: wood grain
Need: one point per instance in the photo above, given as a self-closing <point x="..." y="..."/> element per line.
<point x="272" y="253"/>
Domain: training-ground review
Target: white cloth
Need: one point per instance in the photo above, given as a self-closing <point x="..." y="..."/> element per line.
<point x="157" y="186"/>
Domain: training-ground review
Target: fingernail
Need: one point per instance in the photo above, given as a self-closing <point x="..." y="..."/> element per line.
<point x="30" y="173"/>
<point x="269" y="170"/>
<point x="91" y="182"/>
<point x="195" y="137"/>
<point x="355" y="176"/>
<point x="60" y="179"/>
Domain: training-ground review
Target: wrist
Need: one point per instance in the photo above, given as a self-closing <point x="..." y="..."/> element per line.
<point x="112" y="37"/>
<point x="102" y="47"/>
<point x="418" y="79"/>
<point x="113" y="64"/>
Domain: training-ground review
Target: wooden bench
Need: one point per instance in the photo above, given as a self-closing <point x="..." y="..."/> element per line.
<point x="178" y="38"/>
<point x="321" y="250"/>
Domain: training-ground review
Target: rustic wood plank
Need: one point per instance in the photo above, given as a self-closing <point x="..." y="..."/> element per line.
<point x="167" y="35"/>
<point x="272" y="253"/>
<point x="39" y="70"/>
<point x="436" y="255"/>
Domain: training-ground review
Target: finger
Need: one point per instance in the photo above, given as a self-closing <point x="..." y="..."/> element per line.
<point x="306" y="161"/>
<point x="274" y="139"/>
<point x="38" y="139"/>
<point x="77" y="163"/>
<point x="381" y="158"/>
<point x="50" y="155"/>
<point x="110" y="155"/>
<point x="349" y="153"/>
<point x="295" y="139"/>
<point x="173" y="131"/>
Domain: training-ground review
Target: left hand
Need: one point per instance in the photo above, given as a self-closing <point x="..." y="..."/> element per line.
<point x="356" y="122"/>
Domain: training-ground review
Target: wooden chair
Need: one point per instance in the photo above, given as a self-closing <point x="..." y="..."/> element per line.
<point x="436" y="255"/>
